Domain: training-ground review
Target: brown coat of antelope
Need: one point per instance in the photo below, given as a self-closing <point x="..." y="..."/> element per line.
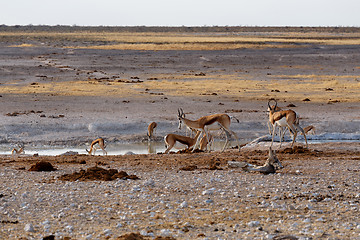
<point x="151" y="130"/>
<point x="179" y="141"/>
<point x="100" y="142"/>
<point x="209" y="123"/>
<point x="285" y="118"/>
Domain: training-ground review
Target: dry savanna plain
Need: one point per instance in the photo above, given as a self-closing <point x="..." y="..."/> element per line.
<point x="62" y="87"/>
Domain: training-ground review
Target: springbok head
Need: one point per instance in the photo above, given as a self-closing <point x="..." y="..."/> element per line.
<point x="272" y="108"/>
<point x="181" y="116"/>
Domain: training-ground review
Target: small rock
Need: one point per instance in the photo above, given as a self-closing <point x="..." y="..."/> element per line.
<point x="149" y="183"/>
<point x="29" y="228"/>
<point x="253" y="224"/>
<point x="184" y="204"/>
<point x="69" y="228"/>
<point x="88" y="237"/>
<point x="208" y="191"/>
<point x="209" y="201"/>
<point x="108" y="232"/>
<point x="130" y="153"/>
<point x="165" y="232"/>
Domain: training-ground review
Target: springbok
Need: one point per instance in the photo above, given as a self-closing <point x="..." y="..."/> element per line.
<point x="309" y="129"/>
<point x="151" y="130"/>
<point x="180" y="142"/>
<point x="209" y="123"/>
<point x="101" y="143"/>
<point x="270" y="166"/>
<point x="282" y="130"/>
<point x="284" y="118"/>
<point x="18" y="151"/>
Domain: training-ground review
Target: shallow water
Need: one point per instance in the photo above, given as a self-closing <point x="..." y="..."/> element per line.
<point x="112" y="149"/>
<point x="140" y="148"/>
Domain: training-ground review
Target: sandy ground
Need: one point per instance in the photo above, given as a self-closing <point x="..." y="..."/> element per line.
<point x="55" y="95"/>
<point x="67" y="97"/>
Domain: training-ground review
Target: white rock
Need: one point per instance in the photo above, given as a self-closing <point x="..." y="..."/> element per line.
<point x="88" y="237"/>
<point x="208" y="191"/>
<point x="29" y="228"/>
<point x="146" y="233"/>
<point x="69" y="228"/>
<point x="320" y="219"/>
<point x="46" y="222"/>
<point x="253" y="224"/>
<point x="165" y="232"/>
<point x="136" y="189"/>
<point x="184" y="204"/>
<point x="149" y="183"/>
<point x="108" y="232"/>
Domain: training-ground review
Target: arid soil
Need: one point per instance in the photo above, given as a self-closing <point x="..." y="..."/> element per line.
<point x="57" y="93"/>
<point x="315" y="196"/>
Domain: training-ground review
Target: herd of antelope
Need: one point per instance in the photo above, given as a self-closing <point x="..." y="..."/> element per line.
<point x="203" y="139"/>
<point x="284" y="119"/>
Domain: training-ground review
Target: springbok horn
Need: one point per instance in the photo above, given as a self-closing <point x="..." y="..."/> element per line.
<point x="182" y="113"/>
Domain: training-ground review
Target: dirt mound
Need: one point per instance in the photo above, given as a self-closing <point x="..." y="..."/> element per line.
<point x="137" y="236"/>
<point x="42" y="166"/>
<point x="97" y="173"/>
<point x="189" y="168"/>
<point x="131" y="236"/>
<point x="214" y="164"/>
<point x="189" y="150"/>
<point x="295" y="150"/>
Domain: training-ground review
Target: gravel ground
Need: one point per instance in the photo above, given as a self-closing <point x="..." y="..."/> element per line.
<point x="315" y="196"/>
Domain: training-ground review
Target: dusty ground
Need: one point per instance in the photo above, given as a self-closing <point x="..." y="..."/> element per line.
<point x="315" y="196"/>
<point x="60" y="94"/>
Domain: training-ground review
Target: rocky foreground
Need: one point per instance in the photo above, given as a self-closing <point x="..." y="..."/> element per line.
<point x="184" y="196"/>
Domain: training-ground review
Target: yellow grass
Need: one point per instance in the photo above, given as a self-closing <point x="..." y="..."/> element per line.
<point x="231" y="87"/>
<point x="183" y="41"/>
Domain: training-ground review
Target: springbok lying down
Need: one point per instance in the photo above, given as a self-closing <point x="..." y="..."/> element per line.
<point x="179" y="141"/>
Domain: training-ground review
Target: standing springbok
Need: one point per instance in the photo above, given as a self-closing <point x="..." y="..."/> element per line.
<point x="151" y="130"/>
<point x="284" y="118"/>
<point x="180" y="142"/>
<point x="209" y="123"/>
<point x="282" y="130"/>
<point x="101" y="143"/>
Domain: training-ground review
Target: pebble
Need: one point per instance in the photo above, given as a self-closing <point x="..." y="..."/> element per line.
<point x="178" y="202"/>
<point x="209" y="191"/>
<point x="29" y="228"/>
<point x="253" y="224"/>
<point x="184" y="204"/>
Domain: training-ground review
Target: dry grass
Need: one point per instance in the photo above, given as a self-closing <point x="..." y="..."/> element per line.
<point x="231" y="87"/>
<point x="180" y="41"/>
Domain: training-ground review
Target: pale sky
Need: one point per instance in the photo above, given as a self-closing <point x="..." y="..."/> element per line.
<point x="181" y="12"/>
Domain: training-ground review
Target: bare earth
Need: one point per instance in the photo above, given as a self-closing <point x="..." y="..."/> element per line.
<point x="66" y="96"/>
